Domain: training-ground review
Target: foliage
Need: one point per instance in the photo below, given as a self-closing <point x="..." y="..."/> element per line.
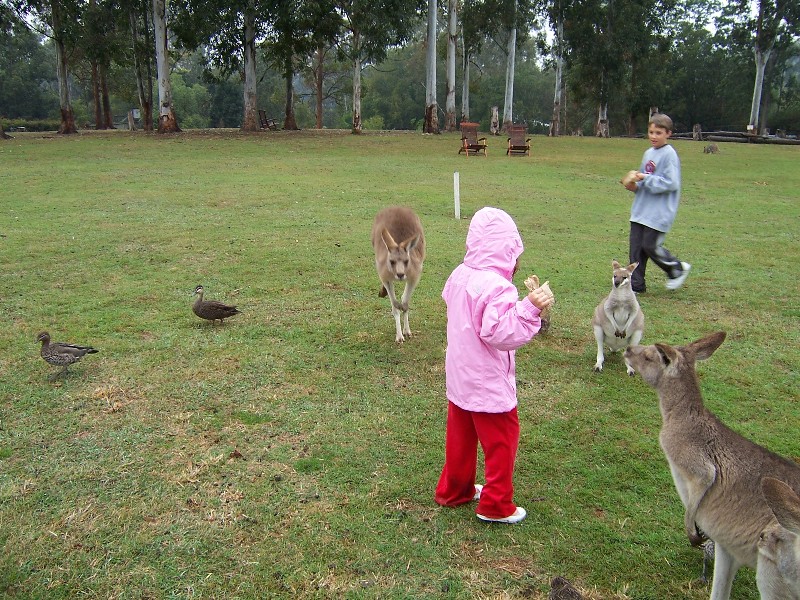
<point x="660" y="53"/>
<point x="293" y="452"/>
<point x="26" y="72"/>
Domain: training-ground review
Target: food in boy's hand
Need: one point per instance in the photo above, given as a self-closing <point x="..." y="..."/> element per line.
<point x="630" y="177"/>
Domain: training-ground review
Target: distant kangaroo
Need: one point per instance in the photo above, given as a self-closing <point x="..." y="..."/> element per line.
<point x="618" y="321"/>
<point x="399" y="244"/>
<point x="716" y="471"/>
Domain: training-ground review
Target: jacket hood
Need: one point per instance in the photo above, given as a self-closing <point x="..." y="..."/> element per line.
<point x="493" y="242"/>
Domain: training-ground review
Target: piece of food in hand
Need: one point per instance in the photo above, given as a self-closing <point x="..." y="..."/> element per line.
<point x="630" y="177"/>
<point x="546" y="286"/>
<point x="532" y="283"/>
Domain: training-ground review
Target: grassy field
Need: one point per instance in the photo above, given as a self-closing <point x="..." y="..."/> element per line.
<point x="293" y="451"/>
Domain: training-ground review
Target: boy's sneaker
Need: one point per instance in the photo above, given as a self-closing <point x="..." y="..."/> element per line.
<point x="478" y="490"/>
<point x="518" y="515"/>
<point x="676" y="282"/>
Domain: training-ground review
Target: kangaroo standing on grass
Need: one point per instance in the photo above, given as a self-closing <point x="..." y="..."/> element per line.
<point x="618" y="320"/>
<point x="717" y="472"/>
<point x="399" y="244"/>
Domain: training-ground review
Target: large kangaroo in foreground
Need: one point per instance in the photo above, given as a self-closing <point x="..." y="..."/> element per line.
<point x="778" y="570"/>
<point x="717" y="472"/>
<point x="399" y="244"/>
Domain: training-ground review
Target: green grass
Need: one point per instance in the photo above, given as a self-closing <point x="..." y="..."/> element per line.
<point x="293" y="452"/>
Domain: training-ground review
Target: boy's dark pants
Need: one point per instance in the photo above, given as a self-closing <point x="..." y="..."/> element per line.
<point x="645" y="243"/>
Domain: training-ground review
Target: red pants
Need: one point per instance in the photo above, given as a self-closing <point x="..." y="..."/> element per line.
<point x="498" y="434"/>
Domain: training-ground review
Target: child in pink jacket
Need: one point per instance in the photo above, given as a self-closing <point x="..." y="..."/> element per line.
<point x="486" y="323"/>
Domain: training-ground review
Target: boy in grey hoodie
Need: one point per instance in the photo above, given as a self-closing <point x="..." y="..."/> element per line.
<point x="658" y="186"/>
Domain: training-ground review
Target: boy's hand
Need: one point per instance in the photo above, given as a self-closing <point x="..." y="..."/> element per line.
<point x="630" y="180"/>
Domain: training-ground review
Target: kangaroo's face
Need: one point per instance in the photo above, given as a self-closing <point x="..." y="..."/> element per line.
<point x="648" y="361"/>
<point x="778" y="572"/>
<point x="398" y="256"/>
<point x="779" y="554"/>
<point x="622" y="275"/>
<point x="661" y="364"/>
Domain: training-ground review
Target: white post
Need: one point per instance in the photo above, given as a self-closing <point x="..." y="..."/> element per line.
<point x="457" y="195"/>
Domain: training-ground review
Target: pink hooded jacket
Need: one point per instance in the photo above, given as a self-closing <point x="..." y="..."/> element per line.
<point x="486" y="320"/>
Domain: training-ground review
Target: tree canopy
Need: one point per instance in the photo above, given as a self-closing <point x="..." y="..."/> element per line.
<point x="721" y="63"/>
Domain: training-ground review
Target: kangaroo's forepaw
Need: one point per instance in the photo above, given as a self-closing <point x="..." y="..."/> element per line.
<point x="696" y="539"/>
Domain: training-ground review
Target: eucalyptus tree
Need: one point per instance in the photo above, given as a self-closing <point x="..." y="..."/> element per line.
<point x="326" y="25"/>
<point x="761" y="28"/>
<point x="371" y="27"/>
<point x="142" y="57"/>
<point x="101" y="43"/>
<point x="431" y="123"/>
<point x="450" y="90"/>
<point x="229" y="39"/>
<point x="289" y="41"/>
<point x="26" y="71"/>
<point x="506" y="24"/>
<point x="555" y="13"/>
<point x="609" y="42"/>
<point x="61" y="20"/>
<point x="167" y="120"/>
<point x="6" y="18"/>
<point x="472" y="38"/>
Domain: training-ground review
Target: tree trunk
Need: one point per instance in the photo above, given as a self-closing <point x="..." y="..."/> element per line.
<point x="357" y="92"/>
<point x="464" y="83"/>
<point x="289" y="122"/>
<point x="108" y="117"/>
<point x="555" y="120"/>
<point x="167" y="121"/>
<point x="67" y="125"/>
<point x="508" y="117"/>
<point x="452" y="32"/>
<point x="250" y="120"/>
<point x="761" y="56"/>
<point x="494" y="122"/>
<point x="144" y="88"/>
<point x="431" y="124"/>
<point x="98" y="113"/>
<point x="601" y="130"/>
<point x="319" y="79"/>
<point x="3" y="134"/>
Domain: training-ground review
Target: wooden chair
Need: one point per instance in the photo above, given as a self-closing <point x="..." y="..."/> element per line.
<point x="518" y="144"/>
<point x="267" y="123"/>
<point x="470" y="142"/>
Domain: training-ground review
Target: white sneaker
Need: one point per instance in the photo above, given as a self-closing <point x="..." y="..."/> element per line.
<point x="478" y="490"/>
<point x="518" y="515"/>
<point x="675" y="283"/>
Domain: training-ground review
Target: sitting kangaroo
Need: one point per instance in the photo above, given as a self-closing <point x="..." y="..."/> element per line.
<point x="778" y="570"/>
<point x="618" y="321"/>
<point x="399" y="244"/>
<point x="716" y="471"/>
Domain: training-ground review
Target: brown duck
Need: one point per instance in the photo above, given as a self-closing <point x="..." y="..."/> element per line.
<point x="211" y="310"/>
<point x="60" y="354"/>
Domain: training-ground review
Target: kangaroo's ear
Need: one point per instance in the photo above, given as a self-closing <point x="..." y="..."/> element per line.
<point x="705" y="347"/>
<point x="783" y="501"/>
<point x="668" y="354"/>
<point x="632" y="267"/>
<point x="388" y="239"/>
<point x="410" y="243"/>
<point x="616" y="264"/>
